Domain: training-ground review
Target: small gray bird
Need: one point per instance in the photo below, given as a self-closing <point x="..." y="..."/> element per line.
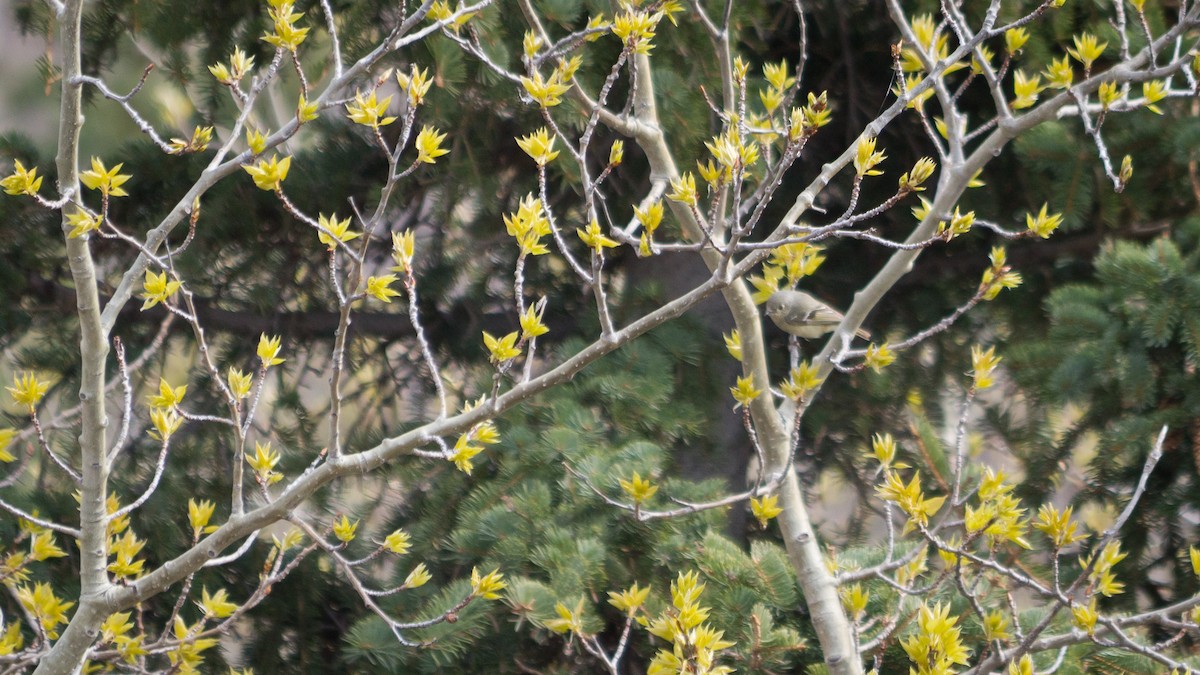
<point x="802" y="315"/>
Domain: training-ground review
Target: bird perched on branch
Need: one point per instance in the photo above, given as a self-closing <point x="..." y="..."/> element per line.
<point x="802" y="315"/>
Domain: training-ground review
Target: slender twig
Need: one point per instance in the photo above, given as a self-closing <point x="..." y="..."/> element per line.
<point x="123" y="100"/>
<point x="335" y="47"/>
<point x="48" y="524"/>
<point x="45" y="446"/>
<point x="159" y="467"/>
<point x="237" y="553"/>
<point x="414" y="317"/>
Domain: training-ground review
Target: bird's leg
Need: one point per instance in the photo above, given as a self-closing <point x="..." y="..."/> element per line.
<point x="793" y="352"/>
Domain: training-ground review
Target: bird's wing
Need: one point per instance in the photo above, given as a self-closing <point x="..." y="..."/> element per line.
<point x="823" y="316"/>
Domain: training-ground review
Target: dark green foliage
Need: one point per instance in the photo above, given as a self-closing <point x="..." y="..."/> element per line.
<point x="1118" y="662"/>
<point x="1062" y="171"/>
<point x="557" y="542"/>
<point x="1124" y="347"/>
